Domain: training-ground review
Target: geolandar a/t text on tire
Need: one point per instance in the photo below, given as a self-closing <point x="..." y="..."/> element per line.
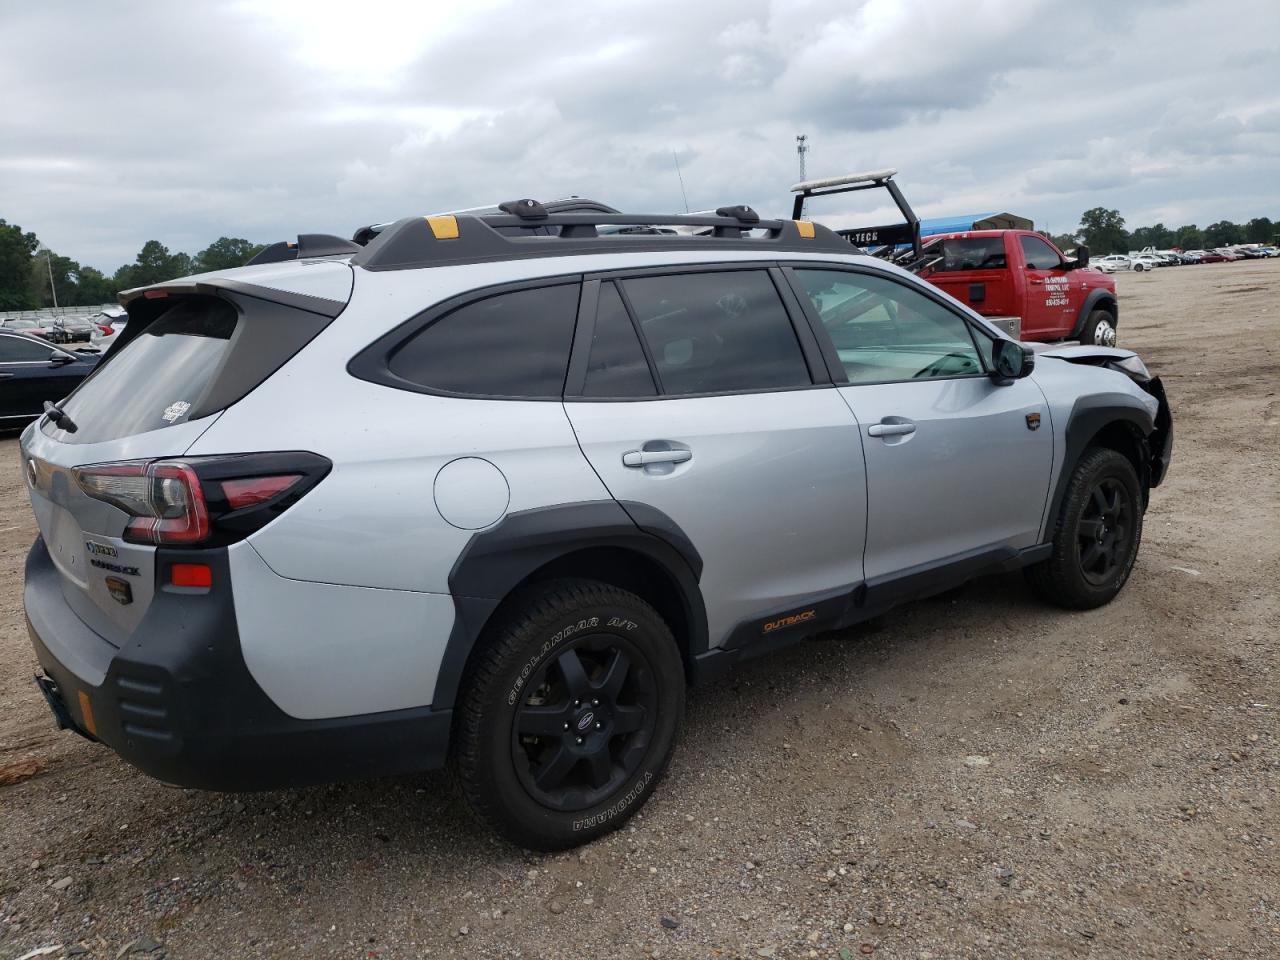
<point x="491" y="490"/>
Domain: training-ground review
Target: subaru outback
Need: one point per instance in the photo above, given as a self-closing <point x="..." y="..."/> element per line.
<point x="490" y="491"/>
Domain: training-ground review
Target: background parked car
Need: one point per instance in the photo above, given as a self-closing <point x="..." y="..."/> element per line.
<point x="1115" y="262"/>
<point x="34" y="328"/>
<point x="70" y="330"/>
<point x="33" y="371"/>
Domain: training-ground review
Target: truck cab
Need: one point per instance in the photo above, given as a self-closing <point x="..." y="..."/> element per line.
<point x="1021" y="282"/>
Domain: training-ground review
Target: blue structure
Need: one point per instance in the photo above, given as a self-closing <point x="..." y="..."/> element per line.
<point x="974" y="221"/>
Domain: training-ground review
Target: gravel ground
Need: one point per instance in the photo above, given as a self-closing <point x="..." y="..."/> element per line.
<point x="974" y="776"/>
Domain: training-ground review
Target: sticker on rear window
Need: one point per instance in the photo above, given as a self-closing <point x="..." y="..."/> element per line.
<point x="174" y="410"/>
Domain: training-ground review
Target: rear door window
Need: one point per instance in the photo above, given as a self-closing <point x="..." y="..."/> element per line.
<point x="969" y="253"/>
<point x="512" y="345"/>
<point x="716" y="332"/>
<point x="616" y="365"/>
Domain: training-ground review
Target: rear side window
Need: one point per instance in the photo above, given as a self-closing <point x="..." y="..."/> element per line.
<point x="514" y="344"/>
<point x="616" y="366"/>
<point x="157" y="379"/>
<point x="970" y="253"/>
<point x="717" y="332"/>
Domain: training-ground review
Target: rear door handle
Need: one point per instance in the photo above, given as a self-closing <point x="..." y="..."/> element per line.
<point x="642" y="458"/>
<point x="6" y="376"/>
<point x="891" y="429"/>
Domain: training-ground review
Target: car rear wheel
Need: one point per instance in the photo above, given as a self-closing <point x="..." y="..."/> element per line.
<point x="1099" y="329"/>
<point x="569" y="714"/>
<point x="1098" y="532"/>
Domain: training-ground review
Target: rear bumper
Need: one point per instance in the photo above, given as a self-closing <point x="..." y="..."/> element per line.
<point x="178" y="702"/>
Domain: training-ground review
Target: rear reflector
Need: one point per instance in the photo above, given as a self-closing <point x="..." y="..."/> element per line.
<point x="248" y="491"/>
<point x="190" y="575"/>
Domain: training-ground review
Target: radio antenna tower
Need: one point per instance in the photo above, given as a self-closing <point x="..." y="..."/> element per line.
<point x="802" y="147"/>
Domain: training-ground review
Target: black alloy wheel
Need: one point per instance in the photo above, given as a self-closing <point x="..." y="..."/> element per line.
<point x="1104" y="529"/>
<point x="1096" y="535"/>
<point x="586" y="724"/>
<point x="568" y="713"/>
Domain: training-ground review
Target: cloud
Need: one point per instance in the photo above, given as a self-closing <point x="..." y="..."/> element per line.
<point x="183" y="122"/>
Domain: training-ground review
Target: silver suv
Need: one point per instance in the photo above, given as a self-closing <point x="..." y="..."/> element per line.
<point x="491" y="490"/>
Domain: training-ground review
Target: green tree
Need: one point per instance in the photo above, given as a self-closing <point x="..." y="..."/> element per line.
<point x="1103" y="231"/>
<point x="1188" y="237"/>
<point x="225" y="253"/>
<point x="76" y="286"/>
<point x="16" y="254"/>
<point x="1222" y="234"/>
<point x="1158" y="236"/>
<point x="1260" y="230"/>
<point x="154" y="264"/>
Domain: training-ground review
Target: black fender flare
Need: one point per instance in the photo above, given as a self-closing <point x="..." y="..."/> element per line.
<point x="497" y="560"/>
<point x="1089" y="416"/>
<point x="1099" y="298"/>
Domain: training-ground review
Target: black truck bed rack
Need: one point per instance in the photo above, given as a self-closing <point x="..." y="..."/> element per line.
<point x="889" y="236"/>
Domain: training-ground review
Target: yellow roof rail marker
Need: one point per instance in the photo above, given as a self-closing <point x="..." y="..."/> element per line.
<point x="443" y="228"/>
<point x="805" y="229"/>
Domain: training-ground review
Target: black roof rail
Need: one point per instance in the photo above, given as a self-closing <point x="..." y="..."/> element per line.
<point x="527" y="210"/>
<point x="308" y="245"/>
<point x="437" y="241"/>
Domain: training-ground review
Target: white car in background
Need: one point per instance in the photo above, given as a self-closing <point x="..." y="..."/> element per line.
<point x="1144" y="261"/>
<point x="1112" y="264"/>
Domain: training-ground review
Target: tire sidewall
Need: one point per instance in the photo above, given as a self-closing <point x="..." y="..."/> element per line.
<point x="1116" y="467"/>
<point x="537" y="824"/>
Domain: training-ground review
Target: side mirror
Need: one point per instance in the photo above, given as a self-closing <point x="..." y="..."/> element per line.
<point x="1010" y="361"/>
<point x="57" y="359"/>
<point x="1082" y="258"/>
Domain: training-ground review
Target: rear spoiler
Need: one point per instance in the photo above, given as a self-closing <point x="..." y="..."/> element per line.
<point x="889" y="236"/>
<point x="131" y="300"/>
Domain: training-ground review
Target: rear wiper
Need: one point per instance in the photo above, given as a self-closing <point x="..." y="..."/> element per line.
<point x="59" y="417"/>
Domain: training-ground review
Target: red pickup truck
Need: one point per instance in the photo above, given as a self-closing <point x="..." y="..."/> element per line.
<point x="1017" y="279"/>
<point x="1020" y="281"/>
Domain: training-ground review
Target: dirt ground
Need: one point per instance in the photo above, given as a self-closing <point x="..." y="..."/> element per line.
<point x="974" y="776"/>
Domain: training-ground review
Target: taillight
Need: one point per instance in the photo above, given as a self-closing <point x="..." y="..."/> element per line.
<point x="248" y="491"/>
<point x="202" y="501"/>
<point x="163" y="497"/>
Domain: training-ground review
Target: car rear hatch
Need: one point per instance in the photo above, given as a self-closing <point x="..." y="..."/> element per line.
<point x="191" y="349"/>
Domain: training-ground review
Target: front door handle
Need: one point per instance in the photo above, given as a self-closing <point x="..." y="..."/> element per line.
<point x="6" y="376"/>
<point x="891" y="429"/>
<point x="642" y="458"/>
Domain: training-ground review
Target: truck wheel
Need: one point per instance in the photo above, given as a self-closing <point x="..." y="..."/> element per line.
<point x="568" y="714"/>
<point x="1099" y="329"/>
<point x="1098" y="532"/>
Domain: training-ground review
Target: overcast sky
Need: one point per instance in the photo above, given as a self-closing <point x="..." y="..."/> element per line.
<point x="127" y="121"/>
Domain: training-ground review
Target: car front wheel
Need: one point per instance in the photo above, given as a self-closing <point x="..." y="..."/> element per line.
<point x="1098" y="531"/>
<point x="569" y="714"/>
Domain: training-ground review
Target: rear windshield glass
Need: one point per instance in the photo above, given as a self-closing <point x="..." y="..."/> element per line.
<point x="157" y="379"/>
<point x="970" y="253"/>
